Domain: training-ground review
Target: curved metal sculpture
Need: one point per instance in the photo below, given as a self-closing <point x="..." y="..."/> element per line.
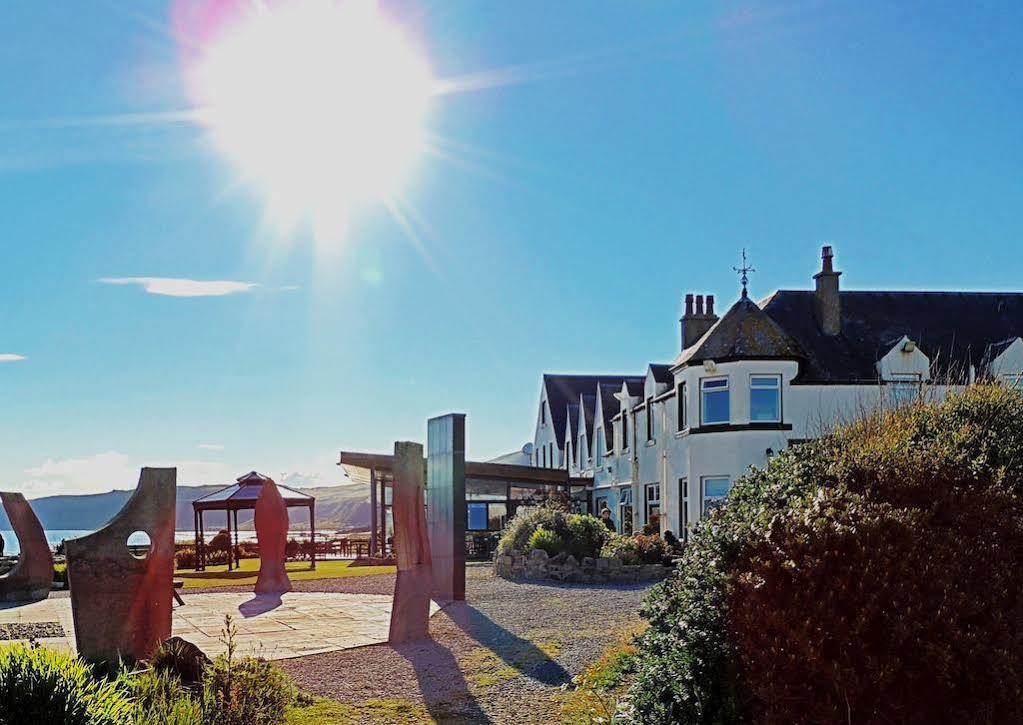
<point x="271" y="521"/>
<point x="121" y="603"/>
<point x="32" y="576"/>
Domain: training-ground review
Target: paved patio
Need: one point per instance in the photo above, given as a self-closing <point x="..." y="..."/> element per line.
<point x="293" y="625"/>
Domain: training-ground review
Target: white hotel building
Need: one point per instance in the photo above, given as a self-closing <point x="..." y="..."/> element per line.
<point x="763" y="376"/>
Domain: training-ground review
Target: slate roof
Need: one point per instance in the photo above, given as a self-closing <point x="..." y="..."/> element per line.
<point x="588" y="403"/>
<point x="745" y="331"/>
<point x="245" y="492"/>
<point x="662" y="373"/>
<point x="954" y="329"/>
<point x="611" y="407"/>
<point x="565" y="389"/>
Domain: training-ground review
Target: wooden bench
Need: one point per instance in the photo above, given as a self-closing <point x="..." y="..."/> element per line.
<point x="178" y="584"/>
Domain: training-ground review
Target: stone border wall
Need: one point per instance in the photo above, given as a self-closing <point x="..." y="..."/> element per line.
<point x="566" y="568"/>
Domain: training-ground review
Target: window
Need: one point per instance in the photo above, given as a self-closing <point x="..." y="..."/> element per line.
<point x="550" y="457"/>
<point x="598" y="446"/>
<point x="714" y="404"/>
<point x="765" y="399"/>
<point x="486" y="516"/>
<point x="543" y="414"/>
<point x="545" y="457"/>
<point x="625" y="431"/>
<point x="625" y="511"/>
<point x="1012" y="380"/>
<point x="653" y="502"/>
<point x="477" y="518"/>
<point x="715" y="488"/>
<point x="683" y="511"/>
<point x="680" y="398"/>
<point x="903" y="388"/>
<point x="581" y="453"/>
<point x="651" y="429"/>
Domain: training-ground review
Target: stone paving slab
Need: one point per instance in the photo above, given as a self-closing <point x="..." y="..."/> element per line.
<point x="295" y="624"/>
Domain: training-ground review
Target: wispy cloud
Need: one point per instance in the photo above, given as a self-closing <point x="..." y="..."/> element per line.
<point x="10" y="357"/>
<point x="175" y="287"/>
<point x="211" y="446"/>
<point x="111" y="470"/>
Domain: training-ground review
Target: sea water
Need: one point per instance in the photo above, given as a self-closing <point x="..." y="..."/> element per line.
<point x="55" y="536"/>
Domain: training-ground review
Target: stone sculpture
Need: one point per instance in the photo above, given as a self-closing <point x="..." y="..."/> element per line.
<point x="272" y="533"/>
<point x="32" y="576"/>
<point x="446" y="513"/>
<point x="410" y="610"/>
<point x="121" y="603"/>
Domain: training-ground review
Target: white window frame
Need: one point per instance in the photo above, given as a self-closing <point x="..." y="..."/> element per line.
<point x="647" y="500"/>
<point x="776" y="379"/>
<point x="726" y="389"/>
<point x="682" y="414"/>
<point x="683" y="507"/>
<point x="1012" y="380"/>
<point x="704" y="498"/>
<point x="598" y="445"/>
<point x="625" y="500"/>
<point x="625" y="431"/>
<point x="899" y="383"/>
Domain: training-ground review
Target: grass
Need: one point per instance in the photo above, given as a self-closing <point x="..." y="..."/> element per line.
<point x="322" y="710"/>
<point x="603" y="683"/>
<point x="485" y="668"/>
<point x="219" y="576"/>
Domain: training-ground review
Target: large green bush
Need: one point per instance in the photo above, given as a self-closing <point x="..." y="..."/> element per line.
<point x="39" y="685"/>
<point x="578" y="534"/>
<point x="869" y="576"/>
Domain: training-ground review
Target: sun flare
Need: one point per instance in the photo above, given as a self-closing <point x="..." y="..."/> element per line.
<point x="319" y="103"/>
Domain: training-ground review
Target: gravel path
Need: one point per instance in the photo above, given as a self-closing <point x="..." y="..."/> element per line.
<point x="499" y="657"/>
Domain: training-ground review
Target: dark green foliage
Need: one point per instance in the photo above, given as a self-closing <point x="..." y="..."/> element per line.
<point x="576" y="534"/>
<point x="870" y="576"/>
<point x="249" y="691"/>
<point x="39" y="685"/>
<point x="182" y="659"/>
<point x="546" y="540"/>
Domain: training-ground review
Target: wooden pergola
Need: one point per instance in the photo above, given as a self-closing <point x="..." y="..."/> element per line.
<point x="242" y="496"/>
<point x="376" y="470"/>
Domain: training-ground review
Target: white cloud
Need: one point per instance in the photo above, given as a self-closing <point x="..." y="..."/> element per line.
<point x="10" y="357"/>
<point x="211" y="446"/>
<point x="174" y="287"/>
<point x="112" y="470"/>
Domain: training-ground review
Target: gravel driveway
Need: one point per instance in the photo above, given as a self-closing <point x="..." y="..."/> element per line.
<point x="499" y="657"/>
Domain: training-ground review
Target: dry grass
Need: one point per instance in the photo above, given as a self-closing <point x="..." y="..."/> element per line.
<point x="219" y="576"/>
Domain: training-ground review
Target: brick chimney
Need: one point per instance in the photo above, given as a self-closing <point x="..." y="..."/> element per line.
<point x="696" y="322"/>
<point x="827" y="304"/>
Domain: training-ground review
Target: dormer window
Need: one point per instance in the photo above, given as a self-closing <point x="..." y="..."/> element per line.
<point x="715" y="403"/>
<point x="765" y="399"/>
<point x="903" y="388"/>
<point x="1013" y="380"/>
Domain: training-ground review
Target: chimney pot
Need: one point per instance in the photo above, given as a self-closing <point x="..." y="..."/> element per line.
<point x="699" y="304"/>
<point x="689" y="304"/>
<point x="710" y="305"/>
<point x="827" y="258"/>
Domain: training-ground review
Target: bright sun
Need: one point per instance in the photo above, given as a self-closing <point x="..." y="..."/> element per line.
<point x="318" y="102"/>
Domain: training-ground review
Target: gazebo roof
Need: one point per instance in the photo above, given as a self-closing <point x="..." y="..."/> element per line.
<point x="243" y="494"/>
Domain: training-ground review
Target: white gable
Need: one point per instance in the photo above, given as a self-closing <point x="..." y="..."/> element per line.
<point x="905" y="358"/>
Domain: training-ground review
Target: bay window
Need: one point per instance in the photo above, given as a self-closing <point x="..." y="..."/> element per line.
<point x="715" y="404"/>
<point x="765" y="399"/>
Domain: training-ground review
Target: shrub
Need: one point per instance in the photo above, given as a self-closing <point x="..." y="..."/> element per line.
<point x="60" y="575"/>
<point x="221" y="541"/>
<point x="185" y="558"/>
<point x="651" y="549"/>
<point x="547" y="540"/>
<point x="871" y="575"/>
<point x="39" y="685"/>
<point x="160" y="697"/>
<point x="623" y="548"/>
<point x="249" y="691"/>
<point x="579" y="534"/>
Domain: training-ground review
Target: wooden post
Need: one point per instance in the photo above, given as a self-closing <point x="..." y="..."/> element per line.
<point x="312" y="532"/>
<point x="228" y="512"/>
<point x="372" y="512"/>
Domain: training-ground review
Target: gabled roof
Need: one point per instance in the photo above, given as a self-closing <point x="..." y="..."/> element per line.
<point x="565" y="389"/>
<point x="954" y="329"/>
<point x="609" y="409"/>
<point x="586" y="406"/>
<point x="634" y="386"/>
<point x="745" y="331"/>
<point x="662" y="373"/>
<point x="244" y="493"/>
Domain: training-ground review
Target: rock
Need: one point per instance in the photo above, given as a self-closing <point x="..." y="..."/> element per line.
<point x="559" y="558"/>
<point x="538" y="555"/>
<point x="603" y="564"/>
<point x="589" y="562"/>
<point x="571" y="561"/>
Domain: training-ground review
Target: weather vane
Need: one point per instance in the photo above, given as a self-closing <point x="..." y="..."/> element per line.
<point x="744" y="271"/>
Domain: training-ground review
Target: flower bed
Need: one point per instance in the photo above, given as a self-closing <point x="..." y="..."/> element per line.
<point x="563" y="567"/>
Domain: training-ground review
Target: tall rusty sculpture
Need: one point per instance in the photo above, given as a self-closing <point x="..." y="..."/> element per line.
<point x="271" y="522"/>
<point x="32" y="576"/>
<point x="121" y="603"/>
<point x="410" y="610"/>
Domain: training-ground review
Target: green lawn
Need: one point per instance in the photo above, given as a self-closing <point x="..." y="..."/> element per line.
<point x="219" y="576"/>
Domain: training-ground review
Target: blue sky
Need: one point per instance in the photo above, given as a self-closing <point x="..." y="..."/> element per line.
<point x="626" y="155"/>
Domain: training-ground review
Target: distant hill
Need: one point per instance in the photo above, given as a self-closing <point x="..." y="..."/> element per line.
<point x="341" y="508"/>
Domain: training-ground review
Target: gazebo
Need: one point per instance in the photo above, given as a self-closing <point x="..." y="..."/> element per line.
<point x="242" y="496"/>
